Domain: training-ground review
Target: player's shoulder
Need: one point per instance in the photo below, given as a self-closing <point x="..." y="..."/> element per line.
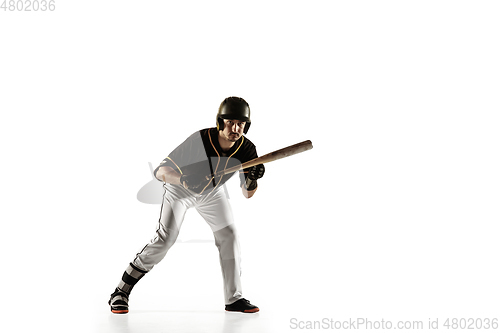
<point x="198" y="134"/>
<point x="206" y="132"/>
<point x="248" y="148"/>
<point x="247" y="143"/>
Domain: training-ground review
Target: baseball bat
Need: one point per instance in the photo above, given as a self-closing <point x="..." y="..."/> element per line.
<point x="273" y="156"/>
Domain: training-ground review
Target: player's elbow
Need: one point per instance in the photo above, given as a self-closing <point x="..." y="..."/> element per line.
<point x="162" y="173"/>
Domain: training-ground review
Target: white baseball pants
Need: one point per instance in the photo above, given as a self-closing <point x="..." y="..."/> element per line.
<point x="216" y="211"/>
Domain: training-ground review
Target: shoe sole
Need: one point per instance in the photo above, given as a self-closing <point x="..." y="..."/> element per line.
<point x="119" y="311"/>
<point x="245" y="311"/>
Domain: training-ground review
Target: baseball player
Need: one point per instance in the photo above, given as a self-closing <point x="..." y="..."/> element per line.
<point x="184" y="174"/>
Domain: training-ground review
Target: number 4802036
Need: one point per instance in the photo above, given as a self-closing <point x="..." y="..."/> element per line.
<point x="28" y="5"/>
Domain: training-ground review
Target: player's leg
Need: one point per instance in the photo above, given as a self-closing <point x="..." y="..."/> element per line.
<point x="229" y="256"/>
<point x="174" y="206"/>
<point x="119" y="298"/>
<point x="216" y="211"/>
<point x="171" y="218"/>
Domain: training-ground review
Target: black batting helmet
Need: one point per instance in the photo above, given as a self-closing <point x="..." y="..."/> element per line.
<point x="234" y="108"/>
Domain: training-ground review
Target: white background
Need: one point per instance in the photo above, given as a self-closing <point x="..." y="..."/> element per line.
<point x="392" y="215"/>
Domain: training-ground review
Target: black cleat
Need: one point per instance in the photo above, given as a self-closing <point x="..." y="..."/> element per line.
<point x="119" y="301"/>
<point x="242" y="305"/>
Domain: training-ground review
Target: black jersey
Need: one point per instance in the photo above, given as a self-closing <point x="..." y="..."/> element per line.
<point x="201" y="154"/>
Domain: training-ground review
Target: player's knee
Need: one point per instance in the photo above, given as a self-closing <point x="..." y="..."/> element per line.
<point x="226" y="234"/>
<point x="226" y="241"/>
<point x="167" y="237"/>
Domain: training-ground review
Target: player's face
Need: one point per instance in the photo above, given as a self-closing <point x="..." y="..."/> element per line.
<point x="233" y="129"/>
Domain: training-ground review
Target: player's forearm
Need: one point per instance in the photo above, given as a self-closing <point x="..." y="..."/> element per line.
<point x="246" y="193"/>
<point x="168" y="175"/>
<point x="250" y="185"/>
